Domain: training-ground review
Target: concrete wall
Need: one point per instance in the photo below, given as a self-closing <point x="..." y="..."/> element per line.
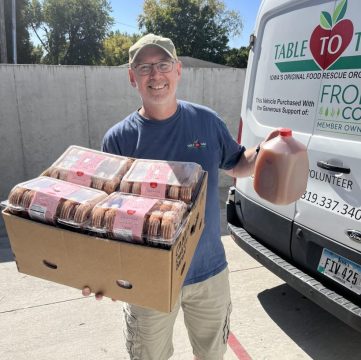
<point x="44" y="109"/>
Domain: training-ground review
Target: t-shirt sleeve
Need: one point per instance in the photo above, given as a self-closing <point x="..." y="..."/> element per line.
<point x="230" y="150"/>
<point x="110" y="144"/>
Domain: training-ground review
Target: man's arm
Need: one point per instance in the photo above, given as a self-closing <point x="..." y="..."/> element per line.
<point x="245" y="165"/>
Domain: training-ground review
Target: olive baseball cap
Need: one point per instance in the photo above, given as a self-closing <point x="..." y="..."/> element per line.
<point x="152" y="40"/>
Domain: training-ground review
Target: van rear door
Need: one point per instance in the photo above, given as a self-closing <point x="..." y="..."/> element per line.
<point x="327" y="232"/>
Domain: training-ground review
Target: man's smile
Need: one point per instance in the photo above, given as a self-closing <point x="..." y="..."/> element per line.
<point x="157" y="87"/>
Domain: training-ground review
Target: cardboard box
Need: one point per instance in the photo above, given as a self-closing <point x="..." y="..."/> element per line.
<point x="142" y="275"/>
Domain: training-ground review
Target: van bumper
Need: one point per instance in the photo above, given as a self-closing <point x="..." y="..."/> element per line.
<point x="336" y="304"/>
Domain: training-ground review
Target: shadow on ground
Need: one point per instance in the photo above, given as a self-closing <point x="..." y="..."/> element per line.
<point x="223" y="194"/>
<point x="304" y="322"/>
<point x="5" y="250"/>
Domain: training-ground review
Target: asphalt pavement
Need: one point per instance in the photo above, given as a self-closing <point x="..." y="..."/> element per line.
<point x="41" y="320"/>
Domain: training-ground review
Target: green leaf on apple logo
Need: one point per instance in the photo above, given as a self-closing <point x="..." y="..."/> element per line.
<point x="325" y="20"/>
<point x="339" y="12"/>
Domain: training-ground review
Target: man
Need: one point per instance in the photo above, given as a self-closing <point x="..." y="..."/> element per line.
<point x="165" y="128"/>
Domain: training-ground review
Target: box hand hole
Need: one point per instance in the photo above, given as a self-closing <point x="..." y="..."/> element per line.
<point x="124" y="284"/>
<point x="50" y="265"/>
<point x="194" y="226"/>
<point x="183" y="267"/>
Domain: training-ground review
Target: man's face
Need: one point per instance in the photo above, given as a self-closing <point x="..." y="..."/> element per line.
<point x="155" y="88"/>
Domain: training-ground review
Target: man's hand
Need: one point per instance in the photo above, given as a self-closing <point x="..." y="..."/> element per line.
<point x="87" y="291"/>
<point x="245" y="165"/>
<point x="272" y="135"/>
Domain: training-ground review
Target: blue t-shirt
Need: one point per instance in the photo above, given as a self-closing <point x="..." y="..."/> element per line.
<point x="195" y="134"/>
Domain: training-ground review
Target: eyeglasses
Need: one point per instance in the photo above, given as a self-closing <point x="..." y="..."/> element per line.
<point x="164" y="66"/>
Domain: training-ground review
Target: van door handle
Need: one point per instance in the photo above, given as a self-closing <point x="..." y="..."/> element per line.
<point x="340" y="169"/>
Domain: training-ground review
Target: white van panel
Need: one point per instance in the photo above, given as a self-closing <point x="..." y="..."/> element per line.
<point x="279" y="97"/>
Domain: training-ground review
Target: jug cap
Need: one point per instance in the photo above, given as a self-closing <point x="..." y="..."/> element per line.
<point x="285" y="132"/>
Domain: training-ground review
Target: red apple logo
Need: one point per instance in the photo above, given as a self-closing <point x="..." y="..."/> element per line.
<point x="153" y="185"/>
<point x="130" y="212"/>
<point x="330" y="39"/>
<point x="196" y="144"/>
<point x="80" y="173"/>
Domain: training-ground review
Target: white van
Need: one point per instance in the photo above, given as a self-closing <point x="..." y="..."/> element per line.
<point x="304" y="73"/>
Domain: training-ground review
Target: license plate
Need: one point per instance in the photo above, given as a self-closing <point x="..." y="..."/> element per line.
<point x="340" y="269"/>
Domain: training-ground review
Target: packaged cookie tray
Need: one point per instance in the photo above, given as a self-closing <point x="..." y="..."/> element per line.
<point x="92" y="168"/>
<point x="53" y="201"/>
<point x="138" y="219"/>
<point x="162" y="179"/>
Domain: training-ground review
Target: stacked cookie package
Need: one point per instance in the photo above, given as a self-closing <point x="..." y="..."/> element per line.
<point x="162" y="179"/>
<point x="54" y="201"/>
<point x="140" y="219"/>
<point x="111" y="196"/>
<point x="90" y="168"/>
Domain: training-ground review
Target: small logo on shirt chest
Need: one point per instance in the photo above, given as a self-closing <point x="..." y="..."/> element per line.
<point x="196" y="145"/>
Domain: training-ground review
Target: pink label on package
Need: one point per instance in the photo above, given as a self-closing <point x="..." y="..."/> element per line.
<point x="155" y="180"/>
<point x="46" y="200"/>
<point x="83" y="169"/>
<point x="129" y="218"/>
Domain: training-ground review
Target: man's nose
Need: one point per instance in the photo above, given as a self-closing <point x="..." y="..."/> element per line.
<point x="154" y="70"/>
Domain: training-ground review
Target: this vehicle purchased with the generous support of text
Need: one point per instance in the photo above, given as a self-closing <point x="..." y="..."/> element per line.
<point x="304" y="73"/>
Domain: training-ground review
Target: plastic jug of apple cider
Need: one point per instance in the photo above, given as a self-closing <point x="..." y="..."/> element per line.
<point x="281" y="169"/>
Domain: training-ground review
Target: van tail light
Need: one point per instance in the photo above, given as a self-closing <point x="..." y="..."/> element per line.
<point x="239" y="137"/>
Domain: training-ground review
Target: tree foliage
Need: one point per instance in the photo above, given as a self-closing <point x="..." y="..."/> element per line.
<point x="70" y="31"/>
<point x="37" y="54"/>
<point x="198" y="28"/>
<point x="23" y="44"/>
<point x="237" y="57"/>
<point x="116" y="46"/>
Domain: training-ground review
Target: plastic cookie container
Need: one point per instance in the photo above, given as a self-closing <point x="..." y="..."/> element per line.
<point x="51" y="201"/>
<point x="135" y="218"/>
<point x="90" y="168"/>
<point x="162" y="179"/>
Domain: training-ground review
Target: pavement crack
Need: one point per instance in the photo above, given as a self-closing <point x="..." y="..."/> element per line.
<point x="41" y="305"/>
<point x="246" y="269"/>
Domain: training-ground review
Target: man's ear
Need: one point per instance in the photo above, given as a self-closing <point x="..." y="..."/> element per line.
<point x="132" y="77"/>
<point x="179" y="69"/>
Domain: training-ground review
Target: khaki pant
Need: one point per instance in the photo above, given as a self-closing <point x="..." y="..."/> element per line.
<point x="206" y="306"/>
